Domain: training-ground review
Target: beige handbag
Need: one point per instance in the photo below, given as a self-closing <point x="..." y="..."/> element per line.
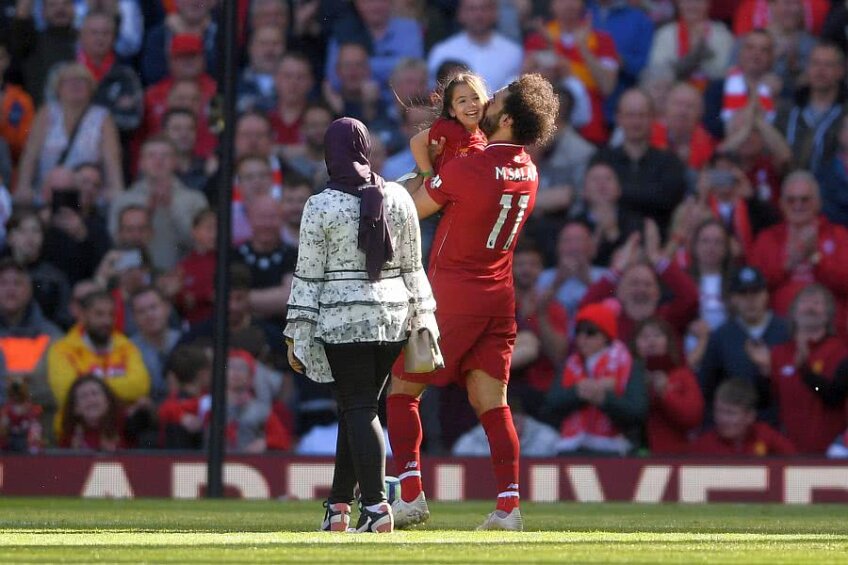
<point x="421" y="354"/>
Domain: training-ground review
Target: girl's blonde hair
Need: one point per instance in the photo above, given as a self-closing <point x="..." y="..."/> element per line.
<point x="68" y="70"/>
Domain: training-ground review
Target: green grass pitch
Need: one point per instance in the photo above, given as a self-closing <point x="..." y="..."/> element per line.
<point x="173" y="531"/>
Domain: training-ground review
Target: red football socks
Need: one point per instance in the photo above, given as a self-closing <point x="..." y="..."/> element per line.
<point x="503" y="443"/>
<point x="405" y="435"/>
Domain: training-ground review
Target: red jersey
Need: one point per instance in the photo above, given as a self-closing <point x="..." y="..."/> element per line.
<point x="769" y="255"/>
<point x="540" y="374"/>
<point x="487" y="197"/>
<point x="285" y="133"/>
<point x="195" y="299"/>
<point x="459" y="142"/>
<point x="806" y="419"/>
<point x="762" y="440"/>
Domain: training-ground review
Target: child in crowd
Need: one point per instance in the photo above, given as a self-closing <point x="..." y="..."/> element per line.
<point x="92" y="419"/>
<point x="736" y="430"/>
<point x="251" y="425"/>
<point x="601" y="399"/>
<point x="676" y="402"/>
<point x="20" y="428"/>
<point x="457" y="129"/>
<point x="182" y="414"/>
<point x="197" y="270"/>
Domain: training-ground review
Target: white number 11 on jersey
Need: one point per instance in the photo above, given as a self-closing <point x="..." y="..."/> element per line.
<point x="506" y="206"/>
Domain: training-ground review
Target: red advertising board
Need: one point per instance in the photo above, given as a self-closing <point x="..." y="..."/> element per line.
<point x="796" y="481"/>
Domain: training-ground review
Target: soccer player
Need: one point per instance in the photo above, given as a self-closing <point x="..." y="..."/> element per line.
<point x="486" y="198"/>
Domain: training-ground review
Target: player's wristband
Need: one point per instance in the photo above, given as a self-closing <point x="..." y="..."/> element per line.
<point x="425" y="174"/>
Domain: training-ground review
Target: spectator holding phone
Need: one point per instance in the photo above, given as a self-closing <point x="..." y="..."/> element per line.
<point x="76" y="239"/>
<point x="676" y="403"/>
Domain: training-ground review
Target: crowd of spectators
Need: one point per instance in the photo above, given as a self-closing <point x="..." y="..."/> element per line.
<point x="682" y="285"/>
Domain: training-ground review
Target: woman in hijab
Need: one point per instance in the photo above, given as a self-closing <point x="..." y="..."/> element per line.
<point x="358" y="292"/>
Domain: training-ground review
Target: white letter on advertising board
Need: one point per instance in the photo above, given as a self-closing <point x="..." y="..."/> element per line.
<point x="544" y="483"/>
<point x="653" y="480"/>
<point x="585" y="483"/>
<point x="188" y="478"/>
<point x="450" y="482"/>
<point x="305" y="478"/>
<point x="696" y="482"/>
<point x="800" y="482"/>
<point x="107" y="480"/>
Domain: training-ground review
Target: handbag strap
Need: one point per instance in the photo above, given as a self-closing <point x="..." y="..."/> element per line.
<point x="71" y="138"/>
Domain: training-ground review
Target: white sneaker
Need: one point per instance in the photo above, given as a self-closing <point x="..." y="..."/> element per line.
<point x="500" y="520"/>
<point x="410" y="513"/>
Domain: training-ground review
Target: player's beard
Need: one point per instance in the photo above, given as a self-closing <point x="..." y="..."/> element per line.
<point x="489" y="123"/>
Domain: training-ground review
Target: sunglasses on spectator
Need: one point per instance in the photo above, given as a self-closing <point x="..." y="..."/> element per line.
<point x="798" y="199"/>
<point x="587" y="329"/>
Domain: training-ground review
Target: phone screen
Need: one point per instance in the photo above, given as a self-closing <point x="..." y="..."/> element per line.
<point x="65" y="199"/>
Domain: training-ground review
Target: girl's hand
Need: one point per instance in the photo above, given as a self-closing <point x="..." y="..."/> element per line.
<point x="294" y="362"/>
<point x="436" y="148"/>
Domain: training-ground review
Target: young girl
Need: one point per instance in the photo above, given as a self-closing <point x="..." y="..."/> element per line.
<point x="676" y="404"/>
<point x="457" y="127"/>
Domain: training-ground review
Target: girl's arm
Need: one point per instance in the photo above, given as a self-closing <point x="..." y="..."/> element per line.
<point x="418" y="146"/>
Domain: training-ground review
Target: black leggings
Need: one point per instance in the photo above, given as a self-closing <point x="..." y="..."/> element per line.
<point x="360" y="371"/>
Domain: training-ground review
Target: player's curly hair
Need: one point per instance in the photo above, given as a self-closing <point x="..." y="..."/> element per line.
<point x="533" y="106"/>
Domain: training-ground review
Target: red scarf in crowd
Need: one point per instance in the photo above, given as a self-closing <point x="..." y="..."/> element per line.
<point x="614" y="363"/>
<point x="740" y="223"/>
<point x="698" y="79"/>
<point x="99" y="71"/>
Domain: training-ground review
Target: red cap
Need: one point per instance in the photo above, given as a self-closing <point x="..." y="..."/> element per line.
<point x="186" y="44"/>
<point x="246" y="357"/>
<point x="601" y="315"/>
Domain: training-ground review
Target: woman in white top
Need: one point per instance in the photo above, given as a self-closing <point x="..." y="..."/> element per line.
<point x="68" y="131"/>
<point x="358" y="291"/>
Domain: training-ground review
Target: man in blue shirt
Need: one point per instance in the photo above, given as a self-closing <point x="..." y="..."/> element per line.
<point x="633" y="31"/>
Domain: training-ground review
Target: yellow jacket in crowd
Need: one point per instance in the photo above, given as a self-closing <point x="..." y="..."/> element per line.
<point x="121" y="366"/>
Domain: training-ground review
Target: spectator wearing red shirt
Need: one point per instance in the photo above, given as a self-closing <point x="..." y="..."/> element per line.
<point x="680" y="128"/>
<point x="293" y="81"/>
<point x="758" y="14"/>
<point x="804" y="249"/>
<point x="761" y="150"/>
<point x="569" y="46"/>
<point x="542" y="325"/>
<point x="181" y="415"/>
<point x="197" y="270"/>
<point x="676" y="403"/>
<point x="638" y="286"/>
<point x="736" y="430"/>
<point x="185" y="63"/>
<point x="809" y="374"/>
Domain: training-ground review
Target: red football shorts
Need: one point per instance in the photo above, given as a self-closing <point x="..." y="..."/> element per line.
<point x="468" y="343"/>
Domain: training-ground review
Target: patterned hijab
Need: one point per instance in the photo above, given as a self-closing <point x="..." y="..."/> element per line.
<point x="347" y="146"/>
